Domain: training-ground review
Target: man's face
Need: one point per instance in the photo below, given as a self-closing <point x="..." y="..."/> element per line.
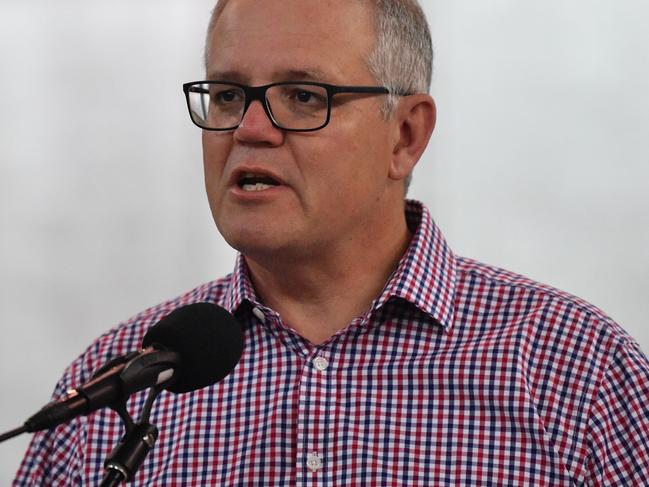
<point x="332" y="182"/>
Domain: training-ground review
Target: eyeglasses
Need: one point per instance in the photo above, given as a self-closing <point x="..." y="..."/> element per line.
<point x="299" y="106"/>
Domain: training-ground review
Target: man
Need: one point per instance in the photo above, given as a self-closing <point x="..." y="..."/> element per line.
<point x="373" y="355"/>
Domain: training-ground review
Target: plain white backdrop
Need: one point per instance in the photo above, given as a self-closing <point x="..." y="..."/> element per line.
<point x="539" y="164"/>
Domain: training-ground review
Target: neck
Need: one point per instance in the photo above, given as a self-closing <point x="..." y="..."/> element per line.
<point x="320" y="295"/>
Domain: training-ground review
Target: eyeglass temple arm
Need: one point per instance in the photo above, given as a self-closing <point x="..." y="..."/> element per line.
<point x="367" y="89"/>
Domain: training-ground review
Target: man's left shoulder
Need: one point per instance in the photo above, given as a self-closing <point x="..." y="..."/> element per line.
<point x="543" y="311"/>
<point x="584" y="375"/>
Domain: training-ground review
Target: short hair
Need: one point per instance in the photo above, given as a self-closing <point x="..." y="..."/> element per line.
<point x="402" y="58"/>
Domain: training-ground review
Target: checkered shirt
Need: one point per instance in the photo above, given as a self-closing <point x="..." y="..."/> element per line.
<point x="458" y="374"/>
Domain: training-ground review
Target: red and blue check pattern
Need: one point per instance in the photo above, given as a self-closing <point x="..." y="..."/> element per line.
<point x="458" y="374"/>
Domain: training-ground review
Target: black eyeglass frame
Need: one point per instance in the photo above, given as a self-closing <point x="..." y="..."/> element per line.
<point x="253" y="93"/>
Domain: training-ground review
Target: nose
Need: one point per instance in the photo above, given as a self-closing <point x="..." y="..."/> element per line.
<point x="256" y="127"/>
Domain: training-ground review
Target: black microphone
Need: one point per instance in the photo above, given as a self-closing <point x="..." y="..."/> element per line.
<point x="194" y="346"/>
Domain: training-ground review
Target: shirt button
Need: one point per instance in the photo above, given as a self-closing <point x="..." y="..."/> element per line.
<point x="259" y="314"/>
<point x="320" y="363"/>
<point x="314" y="462"/>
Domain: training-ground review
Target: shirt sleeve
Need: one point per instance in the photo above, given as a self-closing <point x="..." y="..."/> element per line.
<point x="618" y="426"/>
<point x="52" y="458"/>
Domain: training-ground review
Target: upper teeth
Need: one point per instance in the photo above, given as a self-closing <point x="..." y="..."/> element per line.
<point x="254" y="175"/>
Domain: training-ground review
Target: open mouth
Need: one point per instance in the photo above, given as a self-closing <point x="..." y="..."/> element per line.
<point x="256" y="182"/>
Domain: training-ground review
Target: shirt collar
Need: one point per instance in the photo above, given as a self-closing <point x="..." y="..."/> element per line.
<point x="240" y="288"/>
<point x="424" y="277"/>
<point x="426" y="274"/>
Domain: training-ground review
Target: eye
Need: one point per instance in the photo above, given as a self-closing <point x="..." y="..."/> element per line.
<point x="308" y="97"/>
<point x="303" y="96"/>
<point x="224" y="96"/>
<point x="298" y="98"/>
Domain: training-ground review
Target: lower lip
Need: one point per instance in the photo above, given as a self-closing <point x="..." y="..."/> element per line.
<point x="262" y="195"/>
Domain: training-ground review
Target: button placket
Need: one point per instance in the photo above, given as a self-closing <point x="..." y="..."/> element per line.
<point x="313" y="418"/>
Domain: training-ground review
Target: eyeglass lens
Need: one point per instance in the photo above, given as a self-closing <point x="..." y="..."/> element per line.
<point x="292" y="106"/>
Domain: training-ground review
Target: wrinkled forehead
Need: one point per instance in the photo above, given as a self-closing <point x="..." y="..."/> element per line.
<point x="245" y="33"/>
<point x="222" y="4"/>
<point x="256" y="40"/>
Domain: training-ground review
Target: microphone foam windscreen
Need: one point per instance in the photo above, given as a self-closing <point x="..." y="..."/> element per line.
<point x="207" y="338"/>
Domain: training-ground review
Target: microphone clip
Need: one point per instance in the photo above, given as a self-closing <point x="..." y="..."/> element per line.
<point x="127" y="457"/>
<point x="151" y="365"/>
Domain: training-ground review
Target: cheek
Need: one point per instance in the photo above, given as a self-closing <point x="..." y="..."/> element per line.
<point x="214" y="158"/>
<point x="356" y="155"/>
<point x="345" y="175"/>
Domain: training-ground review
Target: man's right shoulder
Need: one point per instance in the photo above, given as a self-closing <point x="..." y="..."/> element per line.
<point x="127" y="336"/>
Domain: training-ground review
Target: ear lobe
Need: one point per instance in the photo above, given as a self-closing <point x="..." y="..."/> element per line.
<point x="414" y="123"/>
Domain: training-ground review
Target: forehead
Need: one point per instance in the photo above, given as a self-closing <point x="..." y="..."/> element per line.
<point x="258" y="39"/>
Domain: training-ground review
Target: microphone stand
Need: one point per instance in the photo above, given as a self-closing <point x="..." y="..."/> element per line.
<point x="139" y="438"/>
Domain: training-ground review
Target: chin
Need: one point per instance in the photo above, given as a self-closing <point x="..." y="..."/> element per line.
<point x="251" y="241"/>
<point x="261" y="235"/>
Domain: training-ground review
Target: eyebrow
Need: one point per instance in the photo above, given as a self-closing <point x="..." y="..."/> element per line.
<point x="304" y="74"/>
<point x="286" y="75"/>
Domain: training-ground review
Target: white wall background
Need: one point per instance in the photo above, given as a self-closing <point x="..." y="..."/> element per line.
<point x="539" y="164"/>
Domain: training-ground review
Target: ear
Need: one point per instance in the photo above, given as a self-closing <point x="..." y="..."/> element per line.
<point x="414" y="122"/>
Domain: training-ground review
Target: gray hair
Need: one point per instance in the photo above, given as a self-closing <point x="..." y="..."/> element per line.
<point x="402" y="58"/>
